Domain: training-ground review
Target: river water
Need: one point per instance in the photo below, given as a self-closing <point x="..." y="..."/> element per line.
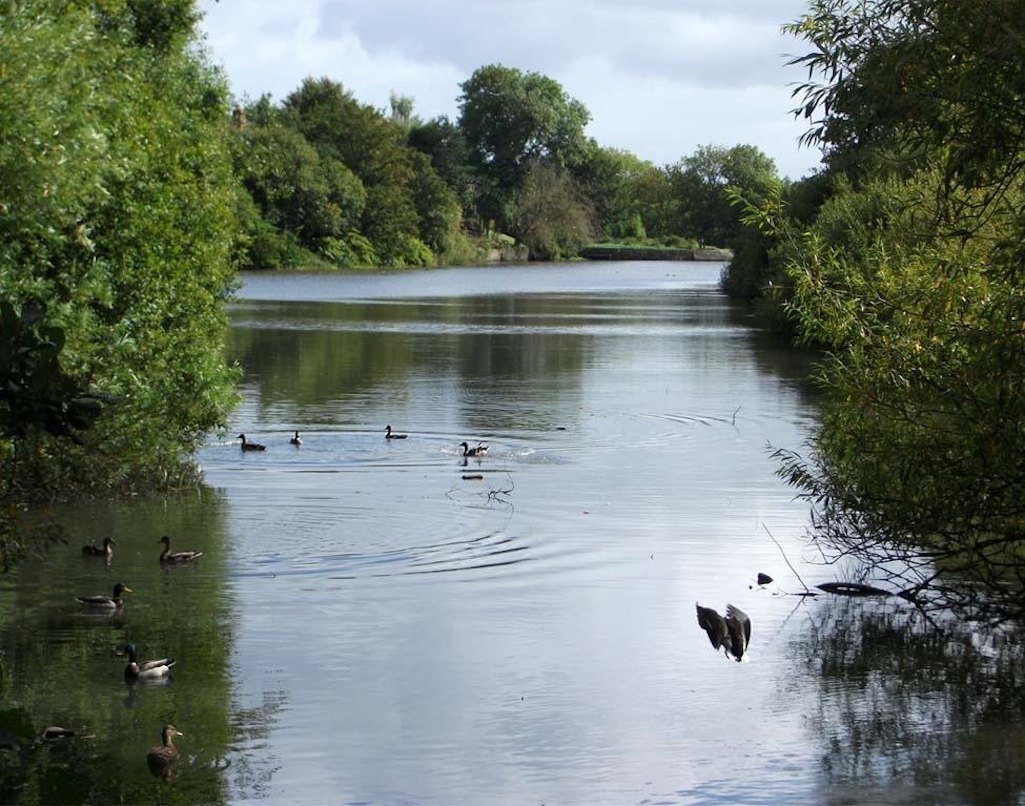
<point x="386" y="621"/>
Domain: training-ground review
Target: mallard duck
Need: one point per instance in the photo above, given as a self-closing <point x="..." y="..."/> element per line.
<point x="250" y="446"/>
<point x="106" y="550"/>
<point x="389" y="434"/>
<point x="105" y="602"/>
<point x="170" y="558"/>
<point x="55" y="732"/>
<point x="147" y="669"/>
<point x="479" y="450"/>
<point x="732" y="633"/>
<point x="296" y="440"/>
<point x="161" y="759"/>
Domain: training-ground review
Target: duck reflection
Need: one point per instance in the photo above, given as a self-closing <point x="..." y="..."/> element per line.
<point x="731" y="632"/>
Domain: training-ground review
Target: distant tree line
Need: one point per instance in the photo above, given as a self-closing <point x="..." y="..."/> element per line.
<point x="329" y="180"/>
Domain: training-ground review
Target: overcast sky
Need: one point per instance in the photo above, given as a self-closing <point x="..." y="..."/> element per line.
<point x="659" y="77"/>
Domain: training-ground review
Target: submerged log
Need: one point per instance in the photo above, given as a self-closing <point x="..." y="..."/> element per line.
<point x="853" y="589"/>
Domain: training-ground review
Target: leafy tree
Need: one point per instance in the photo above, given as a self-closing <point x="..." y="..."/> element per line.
<point x="374" y="149"/>
<point x="443" y="142"/>
<point x="317" y="200"/>
<point x="657" y="204"/>
<point x="116" y="220"/>
<point x="610" y="179"/>
<point x="702" y="181"/>
<point x="512" y="120"/>
<point x="913" y="275"/>
<point x="550" y="214"/>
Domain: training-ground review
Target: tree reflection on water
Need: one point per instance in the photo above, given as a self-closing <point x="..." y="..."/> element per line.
<point x="911" y="710"/>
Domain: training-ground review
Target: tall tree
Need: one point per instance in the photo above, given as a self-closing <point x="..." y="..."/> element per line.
<point x="701" y="183"/>
<point x="512" y="120"/>
<point x="115" y="231"/>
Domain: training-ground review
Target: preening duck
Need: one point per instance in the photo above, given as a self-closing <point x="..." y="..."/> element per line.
<point x="479" y="450"/>
<point x="160" y="760"/>
<point x="389" y="434"/>
<point x="105" y="602"/>
<point x="147" y="669"/>
<point x="167" y="557"/>
<point x="296" y="440"/>
<point x="732" y="632"/>
<point x="106" y="550"/>
<point x="251" y="446"/>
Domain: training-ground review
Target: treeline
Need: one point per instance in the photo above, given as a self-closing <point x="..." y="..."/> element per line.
<point x="904" y="260"/>
<point x="328" y="180"/>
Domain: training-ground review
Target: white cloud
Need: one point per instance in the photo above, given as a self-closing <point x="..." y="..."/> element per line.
<point x="660" y="77"/>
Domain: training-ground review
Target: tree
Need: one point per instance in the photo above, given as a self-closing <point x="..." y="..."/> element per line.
<point x="512" y="120"/>
<point x="550" y="214"/>
<point x="610" y="179"/>
<point x="913" y="277"/>
<point x="702" y="181"/>
<point x="374" y="149"/>
<point x="115" y="229"/>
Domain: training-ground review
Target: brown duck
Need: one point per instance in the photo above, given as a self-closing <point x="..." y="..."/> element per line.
<point x="161" y="759"/>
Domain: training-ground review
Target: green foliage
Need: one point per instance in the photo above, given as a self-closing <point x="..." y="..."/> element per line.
<point x="609" y="178"/>
<point x="912" y="274"/>
<point x="117" y="213"/>
<point x="702" y="184"/>
<point x="552" y="217"/>
<point x="512" y="120"/>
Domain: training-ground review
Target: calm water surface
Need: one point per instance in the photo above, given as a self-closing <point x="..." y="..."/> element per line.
<point x="383" y="621"/>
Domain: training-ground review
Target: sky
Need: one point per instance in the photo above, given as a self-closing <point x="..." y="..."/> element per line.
<point x="660" y="78"/>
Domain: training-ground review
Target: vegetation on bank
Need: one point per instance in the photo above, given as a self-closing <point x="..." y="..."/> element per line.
<point x="116" y="218"/>
<point x="329" y="181"/>
<point x="905" y="262"/>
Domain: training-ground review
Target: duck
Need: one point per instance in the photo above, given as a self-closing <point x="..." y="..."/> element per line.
<point x="161" y="759"/>
<point x="56" y="732"/>
<point x="251" y="446"/>
<point x="479" y="450"/>
<point x="732" y="633"/>
<point x="167" y="557"/>
<point x="295" y="440"/>
<point x="105" y="602"/>
<point x="147" y="669"/>
<point x="389" y="434"/>
<point x="106" y="550"/>
<point x="739" y="626"/>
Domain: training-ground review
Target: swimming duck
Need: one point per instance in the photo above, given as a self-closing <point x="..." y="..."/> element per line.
<point x="732" y="633"/>
<point x="168" y="557"/>
<point x="296" y="440"/>
<point x="160" y="760"/>
<point x="147" y="669"/>
<point x="105" y="602"/>
<point x="389" y="434"/>
<point x="479" y="450"/>
<point x="55" y="732"/>
<point x="106" y="550"/>
<point x="251" y="446"/>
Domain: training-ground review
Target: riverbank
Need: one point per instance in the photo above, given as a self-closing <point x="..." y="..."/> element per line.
<point x="654" y="253"/>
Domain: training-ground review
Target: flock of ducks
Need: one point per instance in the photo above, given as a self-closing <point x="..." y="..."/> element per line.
<point x="160" y="759"/>
<point x="247" y="445"/>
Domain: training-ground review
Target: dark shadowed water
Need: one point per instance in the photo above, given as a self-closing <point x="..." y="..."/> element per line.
<point x="385" y="621"/>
